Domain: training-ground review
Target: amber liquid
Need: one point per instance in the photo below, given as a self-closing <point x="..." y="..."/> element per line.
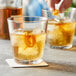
<point x="60" y="33"/>
<point x="28" y="46"/>
<point x="4" y="14"/>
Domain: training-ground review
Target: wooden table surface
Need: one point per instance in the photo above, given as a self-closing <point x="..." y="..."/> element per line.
<point x="61" y="62"/>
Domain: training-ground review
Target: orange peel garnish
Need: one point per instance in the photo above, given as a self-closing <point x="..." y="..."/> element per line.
<point x="56" y="12"/>
<point x="30" y="40"/>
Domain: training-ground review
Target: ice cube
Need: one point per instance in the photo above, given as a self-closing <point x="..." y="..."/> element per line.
<point x="19" y="31"/>
<point x="52" y="27"/>
<point x="37" y="31"/>
<point x="18" y="39"/>
<point x="28" y="51"/>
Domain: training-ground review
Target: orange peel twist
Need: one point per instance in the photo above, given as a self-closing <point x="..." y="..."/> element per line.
<point x="56" y="12"/>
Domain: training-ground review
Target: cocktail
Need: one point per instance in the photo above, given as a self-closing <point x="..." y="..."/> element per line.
<point x="60" y="34"/>
<point x="28" y="35"/>
<point x="61" y="29"/>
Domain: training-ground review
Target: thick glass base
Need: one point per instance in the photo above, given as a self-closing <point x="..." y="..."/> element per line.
<point x="60" y="47"/>
<point x="28" y="61"/>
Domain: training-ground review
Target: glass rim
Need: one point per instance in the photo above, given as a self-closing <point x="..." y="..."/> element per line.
<point x="43" y="18"/>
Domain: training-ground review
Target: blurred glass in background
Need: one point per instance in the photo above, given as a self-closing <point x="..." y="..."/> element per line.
<point x="8" y="8"/>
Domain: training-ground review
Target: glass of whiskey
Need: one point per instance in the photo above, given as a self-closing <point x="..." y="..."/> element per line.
<point x="28" y="35"/>
<point x="60" y="30"/>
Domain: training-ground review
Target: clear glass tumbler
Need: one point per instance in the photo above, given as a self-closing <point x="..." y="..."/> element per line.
<point x="28" y="35"/>
<point x="60" y="30"/>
